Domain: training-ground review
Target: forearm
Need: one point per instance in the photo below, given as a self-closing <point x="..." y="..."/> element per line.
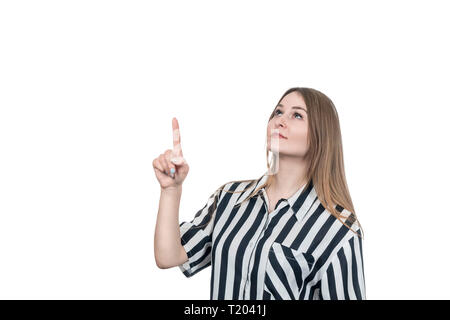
<point x="167" y="243"/>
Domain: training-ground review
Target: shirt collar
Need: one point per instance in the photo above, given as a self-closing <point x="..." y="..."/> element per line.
<point x="291" y="200"/>
<point x="300" y="201"/>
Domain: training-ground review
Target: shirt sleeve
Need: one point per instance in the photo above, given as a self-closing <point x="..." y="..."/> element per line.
<point x="344" y="277"/>
<point x="196" y="237"/>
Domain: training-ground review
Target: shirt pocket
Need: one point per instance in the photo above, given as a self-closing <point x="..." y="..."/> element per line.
<point x="286" y="271"/>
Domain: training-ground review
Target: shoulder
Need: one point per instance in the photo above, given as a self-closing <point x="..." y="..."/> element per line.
<point x="235" y="186"/>
<point x="347" y="224"/>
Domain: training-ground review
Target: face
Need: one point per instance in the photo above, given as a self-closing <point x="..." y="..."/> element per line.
<point x="290" y="120"/>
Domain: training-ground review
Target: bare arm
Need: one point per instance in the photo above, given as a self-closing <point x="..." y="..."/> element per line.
<point x="168" y="249"/>
<point x="170" y="169"/>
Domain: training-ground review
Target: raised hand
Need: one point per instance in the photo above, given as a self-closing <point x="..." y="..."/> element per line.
<point x="170" y="167"/>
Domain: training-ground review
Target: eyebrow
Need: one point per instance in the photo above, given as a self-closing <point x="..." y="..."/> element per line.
<point x="294" y="107"/>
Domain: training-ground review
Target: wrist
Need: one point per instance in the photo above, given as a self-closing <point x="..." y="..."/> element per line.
<point x="172" y="189"/>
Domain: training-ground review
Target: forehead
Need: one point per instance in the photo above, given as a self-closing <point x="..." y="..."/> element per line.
<point x="293" y="99"/>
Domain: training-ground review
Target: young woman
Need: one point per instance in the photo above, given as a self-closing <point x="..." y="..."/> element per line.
<point x="290" y="234"/>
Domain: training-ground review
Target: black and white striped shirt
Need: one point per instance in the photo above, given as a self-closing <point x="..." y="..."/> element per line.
<point x="299" y="251"/>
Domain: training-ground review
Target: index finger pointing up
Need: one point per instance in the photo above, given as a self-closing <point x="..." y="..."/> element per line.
<point x="176" y="138"/>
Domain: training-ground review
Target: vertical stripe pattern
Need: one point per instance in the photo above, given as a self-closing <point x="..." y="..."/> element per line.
<point x="299" y="251"/>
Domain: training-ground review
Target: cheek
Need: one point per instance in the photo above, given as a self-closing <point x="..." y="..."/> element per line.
<point x="300" y="136"/>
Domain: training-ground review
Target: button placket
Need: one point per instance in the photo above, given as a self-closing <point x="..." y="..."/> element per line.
<point x="252" y="245"/>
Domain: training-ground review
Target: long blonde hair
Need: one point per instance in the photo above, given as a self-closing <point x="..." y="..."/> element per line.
<point x="324" y="157"/>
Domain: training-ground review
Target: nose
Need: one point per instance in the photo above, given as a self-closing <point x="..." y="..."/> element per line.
<point x="280" y="121"/>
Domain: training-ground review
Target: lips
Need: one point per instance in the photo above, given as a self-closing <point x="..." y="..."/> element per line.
<point x="279" y="135"/>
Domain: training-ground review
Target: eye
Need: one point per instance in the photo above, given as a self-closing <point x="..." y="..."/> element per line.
<point x="295" y="114"/>
<point x="298" y="115"/>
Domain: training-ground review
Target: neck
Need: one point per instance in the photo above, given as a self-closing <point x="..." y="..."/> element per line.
<point x="291" y="175"/>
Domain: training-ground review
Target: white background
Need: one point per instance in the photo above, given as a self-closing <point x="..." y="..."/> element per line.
<point x="88" y="90"/>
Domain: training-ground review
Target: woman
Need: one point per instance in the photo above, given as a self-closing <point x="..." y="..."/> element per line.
<point x="290" y="234"/>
